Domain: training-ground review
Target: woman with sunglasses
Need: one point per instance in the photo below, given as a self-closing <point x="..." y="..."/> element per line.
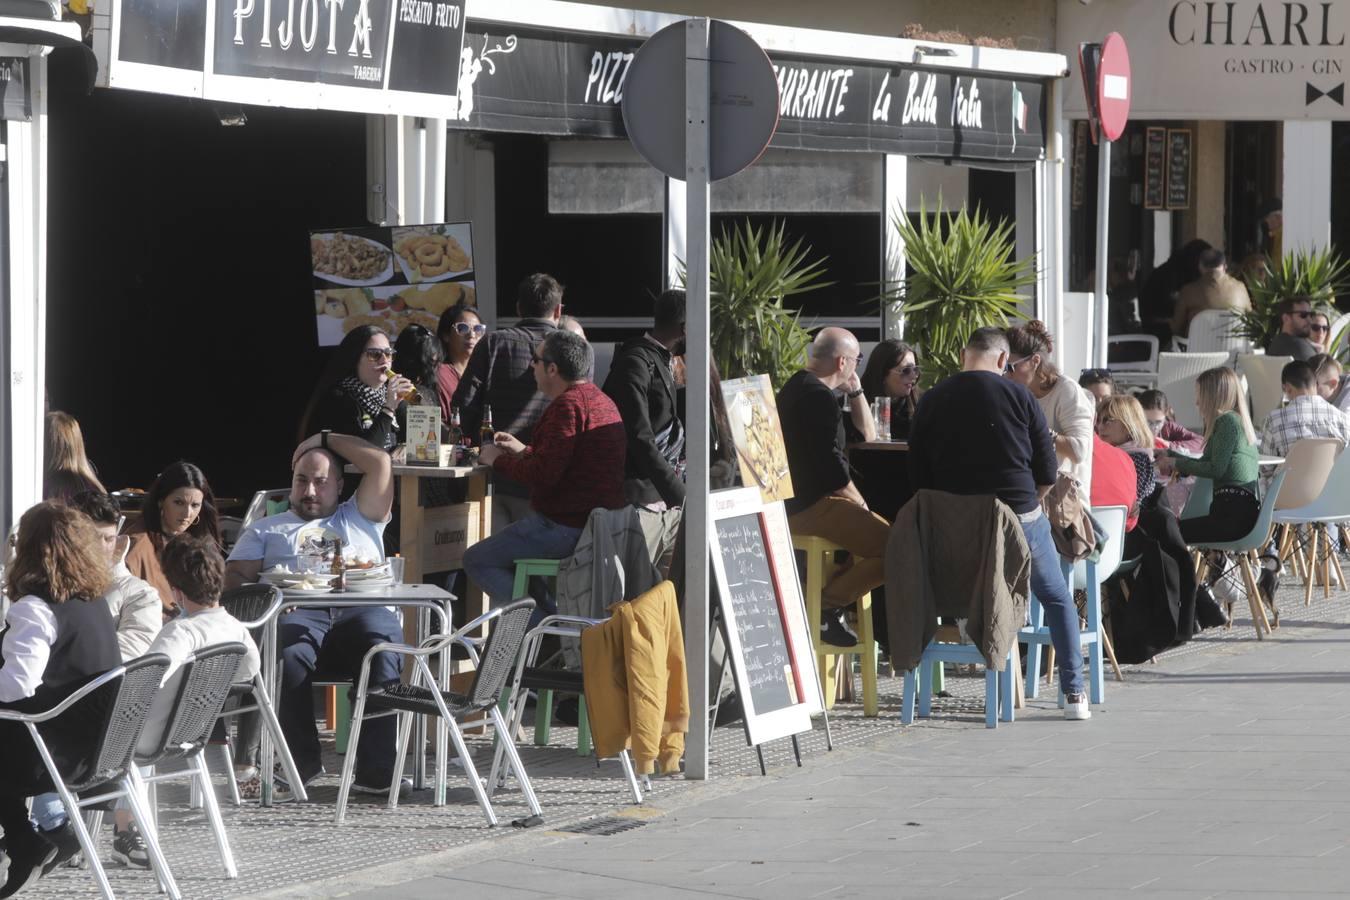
<point x="1319" y="331"/>
<point x="460" y="330"/>
<point x="1069" y="410"/>
<point x="893" y="371"/>
<point x="358" y="392"/>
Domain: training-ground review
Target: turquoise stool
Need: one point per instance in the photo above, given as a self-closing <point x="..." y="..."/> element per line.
<point x="543" y="709"/>
<point x="998" y="686"/>
<point x="1086" y="576"/>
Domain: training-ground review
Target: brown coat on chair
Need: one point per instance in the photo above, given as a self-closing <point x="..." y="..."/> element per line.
<point x="959" y="556"/>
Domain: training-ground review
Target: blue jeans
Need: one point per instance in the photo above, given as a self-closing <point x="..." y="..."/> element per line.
<point x="492" y="562"/>
<point x="1061" y="615"/>
<point x="48" y="811"/>
<point x="335" y="641"/>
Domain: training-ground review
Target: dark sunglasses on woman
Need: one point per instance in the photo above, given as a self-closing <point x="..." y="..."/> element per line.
<point x="375" y="354"/>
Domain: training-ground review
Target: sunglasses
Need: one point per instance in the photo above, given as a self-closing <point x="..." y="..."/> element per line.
<point x="1301" y="313"/>
<point x="1098" y="374"/>
<point x="539" y="359"/>
<point x="375" y="354"/>
<point x="1008" y="369"/>
<point x="907" y="371"/>
<point x="1321" y="328"/>
<point x="466" y="329"/>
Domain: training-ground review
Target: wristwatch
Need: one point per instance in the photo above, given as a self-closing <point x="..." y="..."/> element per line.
<point x="323" y="437"/>
<point x="854" y="395"/>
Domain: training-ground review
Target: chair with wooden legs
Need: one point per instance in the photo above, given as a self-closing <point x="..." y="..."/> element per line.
<point x="1328" y="504"/>
<point x="1246" y="548"/>
<point x="819" y="561"/>
<point x="1087" y="576"/>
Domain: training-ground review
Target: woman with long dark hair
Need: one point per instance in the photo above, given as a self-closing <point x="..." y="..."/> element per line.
<point x="358" y="392"/>
<point x="459" y="330"/>
<point x="179" y="502"/>
<point x="893" y="371"/>
<point x="418" y="355"/>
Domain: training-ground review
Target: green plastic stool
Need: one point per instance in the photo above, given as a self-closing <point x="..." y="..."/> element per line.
<point x="543" y="715"/>
<point x="342" y="727"/>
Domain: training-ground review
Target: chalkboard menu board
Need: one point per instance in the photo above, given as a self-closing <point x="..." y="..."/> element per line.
<point x="768" y="639"/>
<point x="755" y="613"/>
<point x="1155" y="168"/>
<point x="1078" y="175"/>
<point x="1178" y="168"/>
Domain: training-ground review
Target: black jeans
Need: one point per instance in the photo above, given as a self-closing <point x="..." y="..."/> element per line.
<point x="1232" y="515"/>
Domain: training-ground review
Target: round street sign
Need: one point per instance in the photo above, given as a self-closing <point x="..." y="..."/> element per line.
<point x="1113" y="87"/>
<point x="742" y="105"/>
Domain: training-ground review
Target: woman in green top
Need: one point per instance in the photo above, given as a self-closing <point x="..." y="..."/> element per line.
<point x="1229" y="461"/>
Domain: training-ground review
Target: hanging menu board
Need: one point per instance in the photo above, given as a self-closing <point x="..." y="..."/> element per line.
<point x="769" y="646"/>
<point x="1078" y="175"/>
<point x="1155" y="168"/>
<point x="1178" y="168"/>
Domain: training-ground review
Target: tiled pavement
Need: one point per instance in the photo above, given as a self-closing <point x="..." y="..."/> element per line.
<point x="1219" y="770"/>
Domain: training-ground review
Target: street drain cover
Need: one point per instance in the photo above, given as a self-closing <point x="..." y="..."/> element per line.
<point x="604" y="826"/>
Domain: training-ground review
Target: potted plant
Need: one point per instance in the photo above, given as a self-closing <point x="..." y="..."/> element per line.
<point x="1317" y="274"/>
<point x="751" y="272"/>
<point x="963" y="277"/>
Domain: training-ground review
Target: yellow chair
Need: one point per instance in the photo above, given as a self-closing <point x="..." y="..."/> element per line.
<point x="819" y="561"/>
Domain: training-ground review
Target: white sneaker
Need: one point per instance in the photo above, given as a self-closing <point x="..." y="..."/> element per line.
<point x="1076" y="707"/>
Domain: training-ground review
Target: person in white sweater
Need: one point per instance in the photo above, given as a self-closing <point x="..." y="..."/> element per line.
<point x="1069" y="410"/>
<point x="135" y="604"/>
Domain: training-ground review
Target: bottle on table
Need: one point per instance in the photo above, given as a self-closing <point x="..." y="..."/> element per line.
<point x="486" y="431"/>
<point x="339" y="569"/>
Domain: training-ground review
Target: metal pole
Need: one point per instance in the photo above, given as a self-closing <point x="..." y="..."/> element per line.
<point x="696" y="495"/>
<point x="1103" y="210"/>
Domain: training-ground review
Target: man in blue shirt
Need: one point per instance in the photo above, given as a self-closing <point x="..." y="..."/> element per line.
<point x="328" y="639"/>
<point x="980" y="433"/>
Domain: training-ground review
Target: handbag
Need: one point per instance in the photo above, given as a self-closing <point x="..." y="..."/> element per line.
<point x="1070" y="521"/>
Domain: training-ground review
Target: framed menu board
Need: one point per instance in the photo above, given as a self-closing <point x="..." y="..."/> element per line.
<point x="1078" y="173"/>
<point x="1155" y="168"/>
<point x="768" y="642"/>
<point x="1179" y="165"/>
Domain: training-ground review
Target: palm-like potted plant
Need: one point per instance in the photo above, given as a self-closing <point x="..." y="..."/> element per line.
<point x="752" y="270"/>
<point x="1318" y="274"/>
<point x="964" y="277"/>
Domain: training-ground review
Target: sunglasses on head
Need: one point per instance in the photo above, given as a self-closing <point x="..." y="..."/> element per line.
<point x="375" y="354"/>
<point x="466" y="329"/>
<point x="1098" y="374"/>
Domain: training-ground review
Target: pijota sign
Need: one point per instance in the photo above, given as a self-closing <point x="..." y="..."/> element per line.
<point x="1224" y="59"/>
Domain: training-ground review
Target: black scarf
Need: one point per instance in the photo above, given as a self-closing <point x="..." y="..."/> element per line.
<point x="369" y="399"/>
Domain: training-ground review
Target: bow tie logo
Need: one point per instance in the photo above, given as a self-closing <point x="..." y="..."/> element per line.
<point x="1337" y="93"/>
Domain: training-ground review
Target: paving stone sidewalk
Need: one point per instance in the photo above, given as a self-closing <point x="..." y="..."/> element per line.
<point x="1218" y="769"/>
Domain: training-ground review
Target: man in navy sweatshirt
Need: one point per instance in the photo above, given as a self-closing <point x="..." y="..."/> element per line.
<point x="980" y="433"/>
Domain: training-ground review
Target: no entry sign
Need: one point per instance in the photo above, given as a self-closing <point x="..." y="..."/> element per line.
<point x="1106" y="81"/>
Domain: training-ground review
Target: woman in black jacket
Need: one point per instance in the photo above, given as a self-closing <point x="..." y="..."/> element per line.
<point x="358" y="392"/>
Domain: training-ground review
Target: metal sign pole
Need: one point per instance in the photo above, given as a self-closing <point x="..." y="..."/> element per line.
<point x="696" y="97"/>
<point x="1103" y="208"/>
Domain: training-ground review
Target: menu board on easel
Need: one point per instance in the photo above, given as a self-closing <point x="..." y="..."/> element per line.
<point x="1155" y="168"/>
<point x="1179" y="164"/>
<point x="768" y="642"/>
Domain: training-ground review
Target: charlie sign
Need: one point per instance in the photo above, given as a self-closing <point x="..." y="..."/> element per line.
<point x="1223" y="59"/>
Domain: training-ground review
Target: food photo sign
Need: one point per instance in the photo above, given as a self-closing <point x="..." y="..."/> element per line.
<point x="390" y="277"/>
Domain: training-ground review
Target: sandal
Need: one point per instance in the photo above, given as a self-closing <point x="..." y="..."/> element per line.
<point x="250" y="788"/>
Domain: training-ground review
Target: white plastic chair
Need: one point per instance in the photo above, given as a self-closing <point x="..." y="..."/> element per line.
<point x="1316" y="494"/>
<point x="1338" y="326"/>
<point x="1176" y="378"/>
<point x="1213" y="330"/>
<point x="1263" y="382"/>
<point x="257" y="507"/>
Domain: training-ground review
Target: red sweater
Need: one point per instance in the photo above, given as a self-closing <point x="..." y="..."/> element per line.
<point x="574" y="462"/>
<point x="1113" y="480"/>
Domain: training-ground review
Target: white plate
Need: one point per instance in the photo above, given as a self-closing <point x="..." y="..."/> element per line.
<point x="383" y="276"/>
<point x="380" y="571"/>
<point x="368" y="587"/>
<point x="298" y="591"/>
<point x="416" y="277"/>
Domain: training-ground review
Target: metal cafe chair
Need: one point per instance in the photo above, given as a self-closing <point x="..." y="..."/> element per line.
<point x="118" y="700"/>
<point x="528" y="676"/>
<point x="203" y="685"/>
<point x="255" y="605"/>
<point x="423" y="696"/>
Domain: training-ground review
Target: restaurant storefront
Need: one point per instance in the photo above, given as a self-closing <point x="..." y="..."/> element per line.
<point x="201" y="179"/>
<point x="1233" y="109"/>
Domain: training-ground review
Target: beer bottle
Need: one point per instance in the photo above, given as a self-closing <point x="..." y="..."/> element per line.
<point x="455" y="435"/>
<point x="486" y="432"/>
<point x="339" y="570"/>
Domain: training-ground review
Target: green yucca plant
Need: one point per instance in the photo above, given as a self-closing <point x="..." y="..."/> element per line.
<point x="751" y="272"/>
<point x="1317" y="274"/>
<point x="964" y="277"/>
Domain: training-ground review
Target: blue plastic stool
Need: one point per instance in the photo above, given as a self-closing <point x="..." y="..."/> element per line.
<point x="998" y="686"/>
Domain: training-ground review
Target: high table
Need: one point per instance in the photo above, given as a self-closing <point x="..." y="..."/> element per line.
<point x="425" y="599"/>
<point x="882" y="474"/>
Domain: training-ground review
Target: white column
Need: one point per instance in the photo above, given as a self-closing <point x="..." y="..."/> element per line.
<point x="1026" y="237"/>
<point x="894" y="203"/>
<point x="1051" y="213"/>
<point x="25" y="154"/>
<point x="674" y="233"/>
<point x="470" y="196"/>
<point x="384" y="170"/>
<point x="433" y="182"/>
<point x="1307" y="185"/>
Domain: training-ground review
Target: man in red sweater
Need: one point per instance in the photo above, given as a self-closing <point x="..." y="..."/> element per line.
<point x="573" y="464"/>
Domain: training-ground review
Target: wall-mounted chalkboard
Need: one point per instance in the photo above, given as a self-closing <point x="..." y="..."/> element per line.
<point x="755" y="614"/>
<point x="1155" y="168"/>
<point x="1179" y="164"/>
<point x="768" y="642"/>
